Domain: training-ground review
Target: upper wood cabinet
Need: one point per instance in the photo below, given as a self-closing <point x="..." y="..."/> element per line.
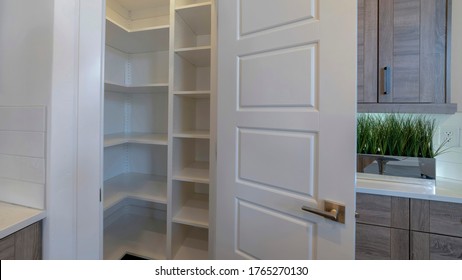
<point x="403" y="56"/>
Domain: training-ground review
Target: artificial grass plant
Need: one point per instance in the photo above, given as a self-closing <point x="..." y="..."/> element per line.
<point x="397" y="135"/>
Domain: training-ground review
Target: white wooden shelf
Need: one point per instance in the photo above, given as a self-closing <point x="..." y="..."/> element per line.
<point x="138" y="186"/>
<point x="198" y="56"/>
<point x="138" y="15"/>
<point x="151" y="88"/>
<point x="197" y="16"/>
<point x="194" y="246"/>
<point x="180" y="5"/>
<point x="139" y="235"/>
<point x="194" y="212"/>
<point x="145" y="41"/>
<point x="135" y="138"/>
<point x="196" y="172"/>
<point x="195" y="134"/>
<point x="200" y="94"/>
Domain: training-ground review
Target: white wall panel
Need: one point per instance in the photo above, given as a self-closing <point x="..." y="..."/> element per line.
<point x="23" y="118"/>
<point x="22" y="193"/>
<point x="22" y="143"/>
<point x="22" y="155"/>
<point x="22" y="168"/>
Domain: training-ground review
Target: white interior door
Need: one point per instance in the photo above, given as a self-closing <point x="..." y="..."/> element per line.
<point x="286" y="128"/>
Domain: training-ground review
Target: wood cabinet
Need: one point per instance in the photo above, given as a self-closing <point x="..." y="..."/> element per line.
<point x="436" y="230"/>
<point x="403" y="56"/>
<point x="382" y="227"/>
<point x="158" y="139"/>
<point x="402" y="228"/>
<point x="25" y="244"/>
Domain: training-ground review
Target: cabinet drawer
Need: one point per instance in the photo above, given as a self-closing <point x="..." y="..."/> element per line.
<point x="436" y="217"/>
<point x="383" y="210"/>
<point x="381" y="243"/>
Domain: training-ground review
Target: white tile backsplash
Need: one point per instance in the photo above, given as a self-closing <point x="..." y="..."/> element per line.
<point x="22" y="155"/>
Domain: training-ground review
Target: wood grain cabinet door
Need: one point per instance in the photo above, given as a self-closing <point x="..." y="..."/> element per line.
<point x="436" y="230"/>
<point x="412" y="44"/>
<point x="436" y="217"/>
<point x="25" y="244"/>
<point x="427" y="246"/>
<point x="382" y="210"/>
<point x="7" y="248"/>
<point x="381" y="243"/>
<point x="382" y="227"/>
<point x="409" y="39"/>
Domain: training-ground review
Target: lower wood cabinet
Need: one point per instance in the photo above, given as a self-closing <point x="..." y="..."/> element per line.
<point x="25" y="244"/>
<point x="381" y="243"/>
<point x="396" y="228"/>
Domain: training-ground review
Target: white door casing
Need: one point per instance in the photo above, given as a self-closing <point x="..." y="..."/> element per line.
<point x="286" y="128"/>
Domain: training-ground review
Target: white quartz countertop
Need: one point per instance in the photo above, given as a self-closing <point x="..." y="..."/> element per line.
<point x="16" y="217"/>
<point x="446" y="190"/>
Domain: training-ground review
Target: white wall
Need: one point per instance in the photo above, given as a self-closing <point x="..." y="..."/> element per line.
<point x="449" y="165"/>
<point x="26" y="32"/>
<point x="26" y="50"/>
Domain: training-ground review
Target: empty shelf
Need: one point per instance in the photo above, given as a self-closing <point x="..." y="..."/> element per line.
<point x="195" y="212"/>
<point x="194" y="246"/>
<point x="196" y="134"/>
<point x="197" y="16"/>
<point x="193" y="94"/>
<point x="135" y="138"/>
<point x="148" y="40"/>
<point x="197" y="172"/>
<point x="144" y="187"/>
<point x="151" y="88"/>
<point x="135" y="234"/>
<point x="198" y="56"/>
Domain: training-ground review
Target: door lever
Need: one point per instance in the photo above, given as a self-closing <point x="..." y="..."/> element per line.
<point x="332" y="211"/>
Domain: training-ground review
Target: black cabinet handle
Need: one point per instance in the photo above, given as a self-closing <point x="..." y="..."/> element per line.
<point x="387" y="79"/>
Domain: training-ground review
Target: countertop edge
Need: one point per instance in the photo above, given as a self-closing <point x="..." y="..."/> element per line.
<point x="446" y="190"/>
<point x="25" y="222"/>
<point x="434" y="197"/>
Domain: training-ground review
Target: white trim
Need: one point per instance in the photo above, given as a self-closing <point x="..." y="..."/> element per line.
<point x="72" y="229"/>
<point x="90" y="129"/>
<point x="59" y="233"/>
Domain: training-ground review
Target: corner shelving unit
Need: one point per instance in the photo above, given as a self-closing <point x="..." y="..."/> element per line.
<point x="159" y="138"/>
<point x="136" y="126"/>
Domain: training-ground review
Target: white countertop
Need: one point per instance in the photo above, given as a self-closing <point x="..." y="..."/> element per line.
<point x="15" y="217"/>
<point x="446" y="190"/>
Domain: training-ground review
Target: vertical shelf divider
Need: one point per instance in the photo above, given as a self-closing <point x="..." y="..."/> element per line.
<point x="191" y="129"/>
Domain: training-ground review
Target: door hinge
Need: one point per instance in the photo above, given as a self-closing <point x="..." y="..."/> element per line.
<point x="100" y="195"/>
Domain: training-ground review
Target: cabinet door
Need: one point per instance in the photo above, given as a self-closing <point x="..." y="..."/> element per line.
<point x="381" y="243"/>
<point x="382" y="210"/>
<point x="7" y="248"/>
<point x="436" y="217"/>
<point x="427" y="246"/>
<point x="367" y="50"/>
<point x="412" y="44"/>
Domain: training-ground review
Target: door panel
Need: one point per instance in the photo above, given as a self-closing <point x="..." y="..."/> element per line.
<point x="254" y="218"/>
<point x="286" y="96"/>
<point x="277" y="13"/>
<point x="280" y="87"/>
<point x="260" y="151"/>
